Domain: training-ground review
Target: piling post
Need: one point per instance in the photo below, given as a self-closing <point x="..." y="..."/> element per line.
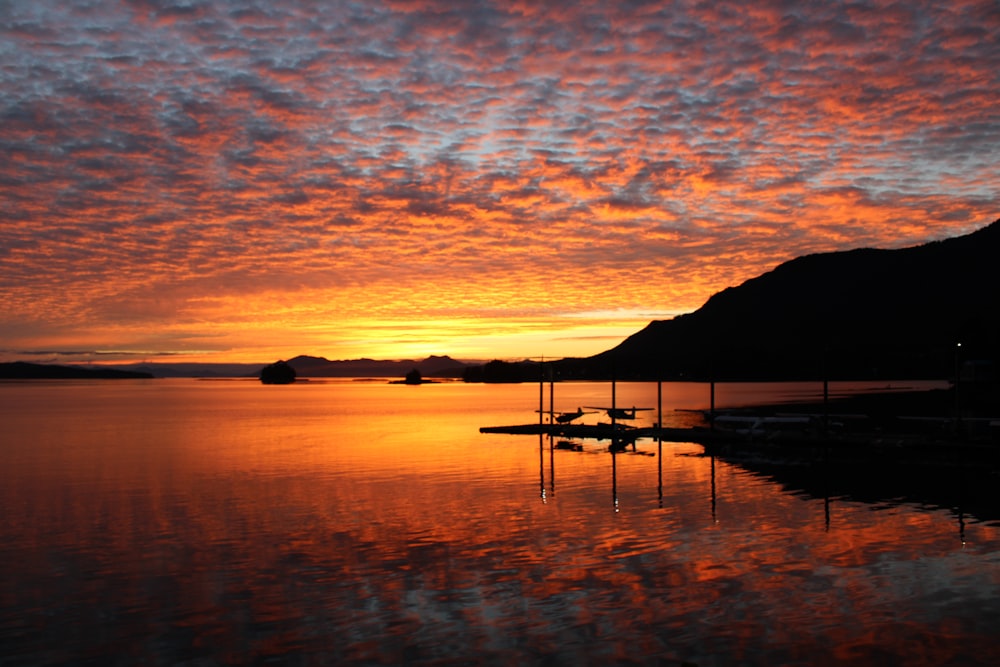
<point x="552" y="398"/>
<point x="659" y="405"/>
<point x="541" y="393"/>
<point x="541" y="422"/>
<point x="659" y="441"/>
<point x="711" y="404"/>
<point x="614" y="404"/>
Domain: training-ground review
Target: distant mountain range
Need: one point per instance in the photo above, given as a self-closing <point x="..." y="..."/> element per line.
<point x="195" y="369"/>
<point x="859" y="314"/>
<point x="309" y="366"/>
<point x="433" y="366"/>
<point x="20" y="370"/>
<point x="305" y="367"/>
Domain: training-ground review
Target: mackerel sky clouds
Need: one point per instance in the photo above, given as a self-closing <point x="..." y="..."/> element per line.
<point x="247" y="181"/>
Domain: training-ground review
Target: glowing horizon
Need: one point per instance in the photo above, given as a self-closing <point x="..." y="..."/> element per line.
<point x="224" y="182"/>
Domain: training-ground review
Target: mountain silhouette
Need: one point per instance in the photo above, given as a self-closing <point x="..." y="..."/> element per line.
<point x="858" y="314"/>
<point x="433" y="366"/>
<point x="22" y="370"/>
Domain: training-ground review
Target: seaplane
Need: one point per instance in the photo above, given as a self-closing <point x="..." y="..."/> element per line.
<point x="755" y="425"/>
<point x="567" y="417"/>
<point x="620" y="413"/>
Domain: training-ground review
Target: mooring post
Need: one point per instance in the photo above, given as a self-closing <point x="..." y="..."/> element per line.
<point x="711" y="403"/>
<point x="614" y="427"/>
<point x="659" y="405"/>
<point x="552" y="397"/>
<point x="659" y="441"/>
<point x="541" y="392"/>
<point x="541" y="423"/>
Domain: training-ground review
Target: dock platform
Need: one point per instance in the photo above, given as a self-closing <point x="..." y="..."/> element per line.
<point x="900" y="446"/>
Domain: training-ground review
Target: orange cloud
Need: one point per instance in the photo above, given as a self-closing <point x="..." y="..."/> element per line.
<point x="172" y="171"/>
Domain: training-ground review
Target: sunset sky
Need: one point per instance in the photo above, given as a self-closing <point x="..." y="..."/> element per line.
<point x="247" y="181"/>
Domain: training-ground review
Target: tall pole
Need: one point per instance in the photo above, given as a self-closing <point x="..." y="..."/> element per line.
<point x="711" y="403"/>
<point x="659" y="405"/>
<point x="552" y="398"/>
<point x="552" y="444"/>
<point x="659" y="441"/>
<point x="614" y="403"/>
<point x="541" y="393"/>
<point x="711" y="387"/>
<point x="541" y="422"/>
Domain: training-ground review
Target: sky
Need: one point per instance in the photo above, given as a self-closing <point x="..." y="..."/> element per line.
<point x="246" y="181"/>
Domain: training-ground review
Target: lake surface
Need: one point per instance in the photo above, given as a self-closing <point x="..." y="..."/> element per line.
<point x="165" y="522"/>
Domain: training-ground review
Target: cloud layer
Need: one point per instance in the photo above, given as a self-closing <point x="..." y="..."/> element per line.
<point x="185" y="175"/>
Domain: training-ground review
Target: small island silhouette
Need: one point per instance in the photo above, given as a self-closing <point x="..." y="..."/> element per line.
<point x="277" y="373"/>
<point x="414" y="377"/>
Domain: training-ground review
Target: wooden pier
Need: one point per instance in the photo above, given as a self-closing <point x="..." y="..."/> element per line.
<point x="806" y="436"/>
<point x="812" y="445"/>
<point x="620" y="432"/>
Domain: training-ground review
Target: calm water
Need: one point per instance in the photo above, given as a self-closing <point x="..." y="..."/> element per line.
<point x="172" y="522"/>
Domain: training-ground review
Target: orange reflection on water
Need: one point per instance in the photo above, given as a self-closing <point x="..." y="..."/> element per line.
<point x="372" y="522"/>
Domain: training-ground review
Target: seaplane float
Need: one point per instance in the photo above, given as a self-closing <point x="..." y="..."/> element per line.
<point x="567" y="417"/>
<point x="620" y="413"/>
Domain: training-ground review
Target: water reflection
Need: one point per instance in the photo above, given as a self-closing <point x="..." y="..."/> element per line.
<point x="964" y="489"/>
<point x="182" y="524"/>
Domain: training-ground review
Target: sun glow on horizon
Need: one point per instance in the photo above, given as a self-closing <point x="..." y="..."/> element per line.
<point x="469" y="338"/>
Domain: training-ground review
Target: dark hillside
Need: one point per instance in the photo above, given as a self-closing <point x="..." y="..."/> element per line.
<point x="854" y="315"/>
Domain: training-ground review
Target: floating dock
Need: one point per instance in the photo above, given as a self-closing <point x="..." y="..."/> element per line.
<point x="620" y="432"/>
<point x="812" y="445"/>
<point x="593" y="431"/>
<point x="796" y="435"/>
